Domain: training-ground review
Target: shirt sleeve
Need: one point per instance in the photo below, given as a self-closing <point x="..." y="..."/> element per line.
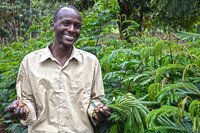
<point x="24" y="93"/>
<point x="97" y="90"/>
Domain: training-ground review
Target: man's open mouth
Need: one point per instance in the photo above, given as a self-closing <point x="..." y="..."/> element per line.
<point x="67" y="37"/>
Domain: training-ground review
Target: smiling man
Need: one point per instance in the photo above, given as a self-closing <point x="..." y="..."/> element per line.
<point x="59" y="87"/>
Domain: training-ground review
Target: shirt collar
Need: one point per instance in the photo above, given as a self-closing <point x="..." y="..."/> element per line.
<point x="46" y="54"/>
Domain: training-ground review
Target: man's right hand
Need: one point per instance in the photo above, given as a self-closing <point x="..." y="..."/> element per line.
<point x="101" y="112"/>
<point x="18" y="109"/>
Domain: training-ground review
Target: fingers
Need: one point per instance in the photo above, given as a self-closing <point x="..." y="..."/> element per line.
<point x="20" y="112"/>
<point x="102" y="112"/>
<point x="18" y="109"/>
<point x="12" y="107"/>
<point x="98" y="116"/>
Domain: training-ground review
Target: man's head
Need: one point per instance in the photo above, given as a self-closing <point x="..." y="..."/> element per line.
<point x="69" y="6"/>
<point x="66" y="23"/>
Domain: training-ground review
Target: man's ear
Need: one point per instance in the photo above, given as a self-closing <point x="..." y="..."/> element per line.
<point x="52" y="24"/>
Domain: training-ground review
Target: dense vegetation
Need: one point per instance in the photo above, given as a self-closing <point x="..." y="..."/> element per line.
<point x="150" y="64"/>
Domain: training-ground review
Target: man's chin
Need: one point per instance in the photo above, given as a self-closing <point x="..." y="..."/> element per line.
<point x="68" y="44"/>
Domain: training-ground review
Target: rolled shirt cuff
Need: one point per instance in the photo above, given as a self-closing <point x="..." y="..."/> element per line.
<point x="91" y="109"/>
<point x="31" y="117"/>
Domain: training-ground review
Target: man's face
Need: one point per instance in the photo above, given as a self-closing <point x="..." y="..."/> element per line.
<point x="67" y="27"/>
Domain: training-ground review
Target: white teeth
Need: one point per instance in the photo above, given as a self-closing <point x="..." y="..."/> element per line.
<point x="68" y="37"/>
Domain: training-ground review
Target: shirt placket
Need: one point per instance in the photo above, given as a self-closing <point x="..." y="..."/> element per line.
<point x="60" y="101"/>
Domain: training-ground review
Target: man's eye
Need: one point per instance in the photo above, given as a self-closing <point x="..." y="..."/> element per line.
<point x="65" y="24"/>
<point x="78" y="26"/>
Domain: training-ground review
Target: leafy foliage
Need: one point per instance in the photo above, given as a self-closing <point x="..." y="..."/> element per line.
<point x="160" y="72"/>
<point x="10" y="58"/>
<point x="129" y="112"/>
<point x="16" y="17"/>
<point x="176" y="14"/>
<point x="194" y="110"/>
<point x="188" y="36"/>
<point x="165" y="120"/>
<point x="151" y="85"/>
<point x="128" y="115"/>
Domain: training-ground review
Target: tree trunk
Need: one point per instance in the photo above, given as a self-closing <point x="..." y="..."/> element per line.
<point x="141" y="17"/>
<point x="125" y="9"/>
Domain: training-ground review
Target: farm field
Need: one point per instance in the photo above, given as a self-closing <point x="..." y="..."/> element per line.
<point x="149" y="53"/>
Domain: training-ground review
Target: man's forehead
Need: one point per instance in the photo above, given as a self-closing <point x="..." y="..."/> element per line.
<point x="70" y="12"/>
<point x="67" y="8"/>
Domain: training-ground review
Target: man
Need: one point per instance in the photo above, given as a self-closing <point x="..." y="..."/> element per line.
<point x="59" y="87"/>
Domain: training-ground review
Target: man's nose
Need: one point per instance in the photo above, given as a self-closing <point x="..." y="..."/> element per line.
<point x="71" y="28"/>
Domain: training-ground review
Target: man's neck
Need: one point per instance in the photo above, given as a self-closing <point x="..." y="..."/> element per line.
<point x="61" y="53"/>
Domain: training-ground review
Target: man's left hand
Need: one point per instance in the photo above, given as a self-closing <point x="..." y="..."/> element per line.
<point x="101" y="112"/>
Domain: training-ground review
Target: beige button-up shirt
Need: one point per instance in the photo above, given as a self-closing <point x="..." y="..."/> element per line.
<point x="58" y="97"/>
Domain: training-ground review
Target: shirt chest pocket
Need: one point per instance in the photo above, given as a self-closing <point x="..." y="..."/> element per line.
<point x="80" y="91"/>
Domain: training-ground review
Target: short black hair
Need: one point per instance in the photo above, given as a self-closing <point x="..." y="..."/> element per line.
<point x="58" y="9"/>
